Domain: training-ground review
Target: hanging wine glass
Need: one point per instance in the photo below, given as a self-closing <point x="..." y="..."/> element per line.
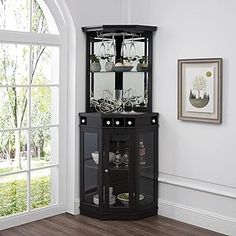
<point x="108" y="54"/>
<point x="123" y="51"/>
<point x="132" y="50"/>
<point x="102" y="50"/>
<point x="113" y="47"/>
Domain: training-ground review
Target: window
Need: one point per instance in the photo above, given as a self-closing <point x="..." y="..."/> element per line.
<point x="26" y="15"/>
<point x="30" y="121"/>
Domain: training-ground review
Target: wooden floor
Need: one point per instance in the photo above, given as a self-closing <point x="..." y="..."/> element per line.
<point x="66" y="224"/>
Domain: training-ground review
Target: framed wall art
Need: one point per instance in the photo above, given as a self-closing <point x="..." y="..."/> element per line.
<point x="200" y="90"/>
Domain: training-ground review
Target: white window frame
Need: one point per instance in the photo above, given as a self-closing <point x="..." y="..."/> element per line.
<point x="60" y="41"/>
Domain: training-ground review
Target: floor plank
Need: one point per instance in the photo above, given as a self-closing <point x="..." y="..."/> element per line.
<point x="68" y="225"/>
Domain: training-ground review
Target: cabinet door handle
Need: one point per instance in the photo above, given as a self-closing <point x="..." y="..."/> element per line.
<point x="106" y="170"/>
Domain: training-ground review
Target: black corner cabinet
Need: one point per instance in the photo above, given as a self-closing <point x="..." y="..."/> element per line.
<point x="119" y="131"/>
<point x="118" y="166"/>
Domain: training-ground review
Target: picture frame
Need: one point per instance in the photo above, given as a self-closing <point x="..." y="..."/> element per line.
<point x="200" y="90"/>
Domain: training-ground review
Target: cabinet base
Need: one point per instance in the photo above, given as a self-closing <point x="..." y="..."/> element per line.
<point x="119" y="215"/>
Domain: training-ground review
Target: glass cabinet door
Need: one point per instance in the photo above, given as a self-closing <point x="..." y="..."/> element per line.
<point x="146" y="162"/>
<point x="118" y="175"/>
<point x="91" y="162"/>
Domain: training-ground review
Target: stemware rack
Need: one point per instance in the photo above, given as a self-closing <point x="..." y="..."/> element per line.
<point x="125" y="73"/>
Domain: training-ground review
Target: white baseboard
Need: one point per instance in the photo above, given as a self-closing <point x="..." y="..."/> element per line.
<point x="204" y="219"/>
<point x="77" y="205"/>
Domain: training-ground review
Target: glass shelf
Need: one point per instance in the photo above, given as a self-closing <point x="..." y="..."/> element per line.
<point x="144" y="167"/>
<point x="119" y="169"/>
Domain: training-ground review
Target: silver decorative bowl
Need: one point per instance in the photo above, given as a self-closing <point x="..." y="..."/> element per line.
<point x="124" y="198"/>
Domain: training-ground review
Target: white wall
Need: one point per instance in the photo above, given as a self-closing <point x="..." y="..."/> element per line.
<point x="84" y="13"/>
<point x="197" y="177"/>
<point x="197" y="161"/>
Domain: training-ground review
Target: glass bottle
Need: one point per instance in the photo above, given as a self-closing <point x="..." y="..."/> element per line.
<point x="142" y="153"/>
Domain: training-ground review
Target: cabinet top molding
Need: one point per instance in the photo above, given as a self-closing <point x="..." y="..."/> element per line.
<point x="118" y="115"/>
<point x="120" y="28"/>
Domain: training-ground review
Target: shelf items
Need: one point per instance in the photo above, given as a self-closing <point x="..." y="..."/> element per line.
<point x="126" y="51"/>
<point x="122" y="158"/>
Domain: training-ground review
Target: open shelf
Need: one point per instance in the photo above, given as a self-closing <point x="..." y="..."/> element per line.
<point x="147" y="173"/>
<point x="143" y="167"/>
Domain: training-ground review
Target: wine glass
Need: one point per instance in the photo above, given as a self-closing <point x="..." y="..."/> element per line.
<point x="124" y="100"/>
<point x="123" y="51"/>
<point x="108" y="54"/>
<point x="132" y="50"/>
<point x="102" y="49"/>
<point x="113" y="47"/>
<point x="117" y="157"/>
<point x="131" y="100"/>
<point x="125" y="159"/>
<point x="117" y="96"/>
